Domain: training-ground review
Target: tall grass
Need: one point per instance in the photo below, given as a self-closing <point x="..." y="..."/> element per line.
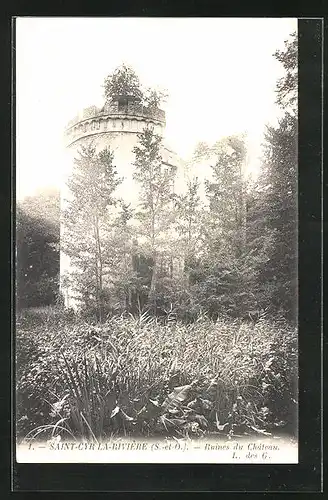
<point x="137" y="376"/>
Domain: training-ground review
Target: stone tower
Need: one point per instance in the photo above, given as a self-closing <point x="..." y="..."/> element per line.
<point x="116" y="125"/>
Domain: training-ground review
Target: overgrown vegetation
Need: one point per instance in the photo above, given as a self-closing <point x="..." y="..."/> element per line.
<point x="230" y="250"/>
<point x="37" y="250"/>
<point x="124" y="82"/>
<point x="140" y="376"/>
<point x="187" y="301"/>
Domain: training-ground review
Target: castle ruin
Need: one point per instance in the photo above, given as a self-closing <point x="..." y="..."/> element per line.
<point x="117" y="126"/>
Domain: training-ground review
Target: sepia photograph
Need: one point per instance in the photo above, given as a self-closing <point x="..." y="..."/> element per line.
<point x="156" y="240"/>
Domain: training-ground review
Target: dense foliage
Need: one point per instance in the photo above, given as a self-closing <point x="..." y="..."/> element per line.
<point x="273" y="201"/>
<point x="91" y="225"/>
<point x="37" y="250"/>
<point x="124" y="82"/>
<point x="139" y="376"/>
<point x="273" y="218"/>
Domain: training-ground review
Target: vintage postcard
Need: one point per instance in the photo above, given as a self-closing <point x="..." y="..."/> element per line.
<point x="156" y="240"/>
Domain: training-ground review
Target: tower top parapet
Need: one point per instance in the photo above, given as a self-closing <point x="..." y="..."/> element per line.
<point x="120" y="106"/>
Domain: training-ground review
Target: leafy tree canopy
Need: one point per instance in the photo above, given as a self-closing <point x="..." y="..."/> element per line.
<point x="287" y="86"/>
<point x="124" y="82"/>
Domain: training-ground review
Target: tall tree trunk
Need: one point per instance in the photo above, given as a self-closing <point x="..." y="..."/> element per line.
<point x="97" y="285"/>
<point x="100" y="273"/>
<point x="99" y="270"/>
<point x="152" y="291"/>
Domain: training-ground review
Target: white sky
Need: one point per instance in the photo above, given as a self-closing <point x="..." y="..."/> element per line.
<point x="220" y="75"/>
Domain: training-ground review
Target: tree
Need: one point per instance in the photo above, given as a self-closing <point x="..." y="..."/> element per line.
<point x="226" y="231"/>
<point x="121" y="251"/>
<point x="287" y="86"/>
<point x="219" y="270"/>
<point x="89" y="218"/>
<point x="44" y="205"/>
<point x="37" y="252"/>
<point x="202" y="151"/>
<point x="153" y="98"/>
<point x="273" y="214"/>
<point x="189" y="214"/>
<point x="155" y="180"/>
<point x="123" y="82"/>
